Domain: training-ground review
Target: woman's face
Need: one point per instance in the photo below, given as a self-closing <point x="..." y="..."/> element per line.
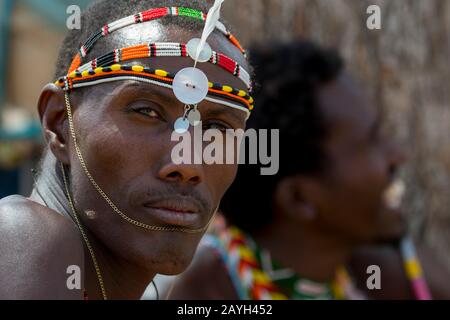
<point x="361" y="163"/>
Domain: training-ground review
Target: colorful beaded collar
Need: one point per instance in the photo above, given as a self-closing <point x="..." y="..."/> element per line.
<point x="244" y="262"/>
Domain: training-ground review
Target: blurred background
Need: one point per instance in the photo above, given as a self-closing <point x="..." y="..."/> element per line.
<point x="30" y="36"/>
<point x="404" y="66"/>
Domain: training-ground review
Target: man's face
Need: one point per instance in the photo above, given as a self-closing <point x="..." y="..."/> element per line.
<point x="124" y="131"/>
<point x="361" y="163"/>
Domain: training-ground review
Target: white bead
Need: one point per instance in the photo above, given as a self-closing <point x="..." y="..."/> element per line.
<point x="181" y="125"/>
<point x="191" y="48"/>
<point x="194" y="117"/>
<point x="190" y="86"/>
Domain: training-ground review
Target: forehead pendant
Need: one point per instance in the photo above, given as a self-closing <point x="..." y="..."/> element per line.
<point x="191" y="85"/>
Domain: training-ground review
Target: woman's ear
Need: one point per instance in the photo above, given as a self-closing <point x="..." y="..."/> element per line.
<point x="52" y="113"/>
<point x="292" y="198"/>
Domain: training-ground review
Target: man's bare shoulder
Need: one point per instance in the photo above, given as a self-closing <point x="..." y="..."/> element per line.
<point x="37" y="245"/>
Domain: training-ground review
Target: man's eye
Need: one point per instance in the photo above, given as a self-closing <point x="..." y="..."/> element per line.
<point x="149" y="112"/>
<point x="216" y="125"/>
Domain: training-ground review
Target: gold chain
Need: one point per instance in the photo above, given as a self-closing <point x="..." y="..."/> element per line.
<point x="85" y="238"/>
<point x="103" y="194"/>
<point x="110" y="203"/>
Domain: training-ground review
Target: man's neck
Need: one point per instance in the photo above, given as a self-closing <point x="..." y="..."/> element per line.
<point x="308" y="252"/>
<point x="122" y="280"/>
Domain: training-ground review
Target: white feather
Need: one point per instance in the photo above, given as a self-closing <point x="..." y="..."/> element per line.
<point x="210" y="24"/>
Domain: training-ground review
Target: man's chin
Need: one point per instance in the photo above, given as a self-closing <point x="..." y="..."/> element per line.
<point x="173" y="267"/>
<point x="173" y="259"/>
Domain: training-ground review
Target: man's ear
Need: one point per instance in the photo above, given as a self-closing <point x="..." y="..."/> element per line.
<point x="52" y="113"/>
<point x="292" y="196"/>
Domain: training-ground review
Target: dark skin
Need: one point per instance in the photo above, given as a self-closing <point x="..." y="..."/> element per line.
<point x="321" y="217"/>
<point x="385" y="253"/>
<point x="123" y="129"/>
<point x="394" y="282"/>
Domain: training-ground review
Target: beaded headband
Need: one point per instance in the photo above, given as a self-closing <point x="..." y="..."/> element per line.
<point x="144" y="16"/>
<point x="106" y="68"/>
<point x="164" y="49"/>
<point x="78" y="79"/>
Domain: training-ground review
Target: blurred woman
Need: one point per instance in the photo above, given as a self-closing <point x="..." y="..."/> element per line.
<point x="292" y="235"/>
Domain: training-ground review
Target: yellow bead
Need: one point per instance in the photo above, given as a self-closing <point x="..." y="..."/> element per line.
<point x="413" y="269"/>
<point x="72" y="75"/>
<point x="227" y="89"/>
<point x="278" y="296"/>
<point x="137" y="68"/>
<point x="251" y="107"/>
<point x="260" y="277"/>
<point x="251" y="100"/>
<point x="161" y="73"/>
<point x="210" y="84"/>
<point x="85" y="73"/>
<point x="242" y="93"/>
<point x="246" y="253"/>
<point x="98" y="70"/>
<point x="116" y="67"/>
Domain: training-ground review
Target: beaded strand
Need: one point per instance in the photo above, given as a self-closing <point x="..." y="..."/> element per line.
<point x="144" y="16"/>
<point x="164" y="49"/>
<point x="89" y="77"/>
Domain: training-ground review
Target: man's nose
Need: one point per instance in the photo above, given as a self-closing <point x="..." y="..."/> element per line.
<point x="184" y="173"/>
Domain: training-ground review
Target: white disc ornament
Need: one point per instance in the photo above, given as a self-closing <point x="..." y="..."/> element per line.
<point x="205" y="53"/>
<point x="190" y="86"/>
<point x="194" y="117"/>
<point x="181" y="125"/>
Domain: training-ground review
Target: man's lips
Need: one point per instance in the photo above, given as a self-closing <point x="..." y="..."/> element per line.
<point x="180" y="211"/>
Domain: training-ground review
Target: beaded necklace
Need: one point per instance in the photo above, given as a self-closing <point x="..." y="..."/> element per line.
<point x="245" y="263"/>
<point x="413" y="270"/>
<point x="256" y="276"/>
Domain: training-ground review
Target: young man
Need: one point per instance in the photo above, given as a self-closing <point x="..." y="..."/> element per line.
<point x="291" y="236"/>
<point x="110" y="204"/>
